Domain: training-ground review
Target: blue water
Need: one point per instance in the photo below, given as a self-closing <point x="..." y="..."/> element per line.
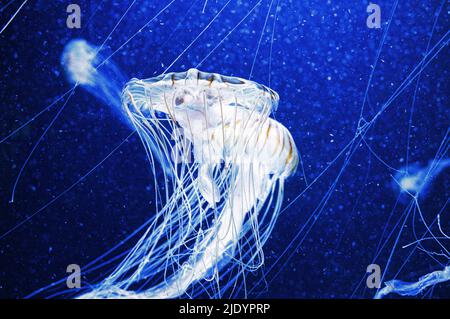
<point x="334" y="75"/>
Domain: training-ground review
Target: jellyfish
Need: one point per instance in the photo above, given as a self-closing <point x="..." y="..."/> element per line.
<point x="223" y="198"/>
<point x="417" y="179"/>
<point x="416" y="183"/>
<point x="85" y="66"/>
<point x="414" y="288"/>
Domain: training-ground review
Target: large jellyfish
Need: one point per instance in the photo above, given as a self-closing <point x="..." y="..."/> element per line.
<point x="218" y="206"/>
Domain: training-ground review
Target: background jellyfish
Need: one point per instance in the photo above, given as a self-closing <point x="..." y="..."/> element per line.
<point x="81" y="62"/>
<point x="419" y="178"/>
<point x="87" y="67"/>
<point x="415" y="185"/>
<point x="218" y="210"/>
<point x="414" y="288"/>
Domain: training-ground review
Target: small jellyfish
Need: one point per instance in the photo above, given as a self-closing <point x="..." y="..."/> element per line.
<point x="414" y="288"/>
<point x="86" y="67"/>
<point x="221" y="204"/>
<point x="417" y="179"/>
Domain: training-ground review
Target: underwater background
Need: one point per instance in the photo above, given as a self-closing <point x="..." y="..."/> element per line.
<point x="86" y="186"/>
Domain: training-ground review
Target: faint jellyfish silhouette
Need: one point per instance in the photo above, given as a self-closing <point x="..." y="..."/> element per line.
<point x="416" y="179"/>
<point x="414" y="288"/>
<point x="87" y="67"/>
<point x="101" y="77"/>
<point x="417" y="183"/>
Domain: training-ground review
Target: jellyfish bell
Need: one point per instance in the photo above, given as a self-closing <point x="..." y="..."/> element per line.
<point x="202" y="103"/>
<point x="190" y="95"/>
<point x="223" y="202"/>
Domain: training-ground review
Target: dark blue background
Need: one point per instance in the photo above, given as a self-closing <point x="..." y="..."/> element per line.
<point x="322" y="57"/>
